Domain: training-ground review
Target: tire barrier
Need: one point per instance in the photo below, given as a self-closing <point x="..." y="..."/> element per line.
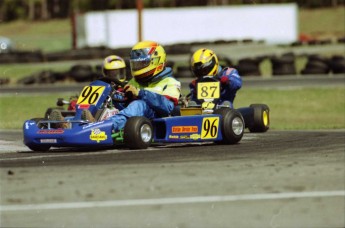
<point x="22" y="57"/>
<point x="283" y="65"/>
<point x="77" y="73"/>
<point x="82" y="73"/>
<point x="337" y="64"/>
<point x="183" y="72"/>
<point x="249" y="66"/>
<point x="316" y="64"/>
<point x="4" y="81"/>
<point x="177" y="49"/>
<point x="224" y="61"/>
<point x="42" y="77"/>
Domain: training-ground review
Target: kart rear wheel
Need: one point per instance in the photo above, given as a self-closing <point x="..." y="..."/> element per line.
<point x="232" y="125"/>
<point x="261" y="122"/>
<point x="138" y="133"/>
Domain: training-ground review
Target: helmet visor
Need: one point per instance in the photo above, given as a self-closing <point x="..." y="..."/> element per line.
<point x="119" y="74"/>
<point x="203" y="69"/>
<point x="140" y="58"/>
<point x="138" y="64"/>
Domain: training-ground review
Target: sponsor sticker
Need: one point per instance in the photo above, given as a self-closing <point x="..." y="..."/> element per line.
<point x="195" y="136"/>
<point x="173" y="136"/>
<point x="84" y="106"/>
<point x="51" y="131"/>
<point x="98" y="135"/>
<point x="48" y="141"/>
<point x="184" y="129"/>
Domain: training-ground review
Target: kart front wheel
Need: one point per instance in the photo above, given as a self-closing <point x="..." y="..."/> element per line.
<point x="232" y="125"/>
<point x="138" y="133"/>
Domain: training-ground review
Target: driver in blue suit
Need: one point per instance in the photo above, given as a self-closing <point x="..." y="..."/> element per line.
<point x="204" y="62"/>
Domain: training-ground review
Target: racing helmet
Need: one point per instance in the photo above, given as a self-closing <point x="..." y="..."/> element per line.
<point x="147" y="60"/>
<point x="114" y="67"/>
<point x="204" y="62"/>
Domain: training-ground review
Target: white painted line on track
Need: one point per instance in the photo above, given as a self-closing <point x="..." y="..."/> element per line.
<point x="167" y="201"/>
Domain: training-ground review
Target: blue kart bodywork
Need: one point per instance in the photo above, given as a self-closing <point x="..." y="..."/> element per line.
<point x="177" y="129"/>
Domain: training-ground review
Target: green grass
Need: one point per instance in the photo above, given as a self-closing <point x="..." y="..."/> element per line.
<point x="48" y="36"/>
<point x="15" y="109"/>
<point x="305" y="108"/>
<point x="290" y="109"/>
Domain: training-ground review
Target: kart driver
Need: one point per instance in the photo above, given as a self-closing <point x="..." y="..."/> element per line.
<point x="114" y="72"/>
<point x="204" y="62"/>
<point x="153" y="89"/>
<point x="114" y="68"/>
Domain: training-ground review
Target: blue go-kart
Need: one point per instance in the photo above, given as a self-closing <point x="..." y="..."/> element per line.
<point x="205" y="122"/>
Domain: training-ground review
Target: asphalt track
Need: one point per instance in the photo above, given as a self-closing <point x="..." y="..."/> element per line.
<point x="275" y="179"/>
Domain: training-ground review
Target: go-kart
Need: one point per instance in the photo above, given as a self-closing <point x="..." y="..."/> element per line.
<point x="208" y="123"/>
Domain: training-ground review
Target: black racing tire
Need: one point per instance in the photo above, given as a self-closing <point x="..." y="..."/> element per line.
<point x="138" y="133"/>
<point x="231" y="125"/>
<point x="81" y="73"/>
<point x="317" y="65"/>
<point x="311" y="71"/>
<point x="261" y="121"/>
<point x="338" y="64"/>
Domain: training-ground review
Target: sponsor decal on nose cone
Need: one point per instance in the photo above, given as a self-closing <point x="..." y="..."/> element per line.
<point x="98" y="135"/>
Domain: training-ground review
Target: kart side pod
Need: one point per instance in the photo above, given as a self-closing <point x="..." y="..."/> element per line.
<point x="224" y="126"/>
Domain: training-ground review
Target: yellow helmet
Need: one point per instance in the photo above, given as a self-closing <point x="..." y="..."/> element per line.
<point x="204" y="62"/>
<point x="114" y="67"/>
<point x="147" y="59"/>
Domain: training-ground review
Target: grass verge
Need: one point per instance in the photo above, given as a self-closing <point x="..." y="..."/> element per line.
<point x="300" y="109"/>
<point x="290" y="109"/>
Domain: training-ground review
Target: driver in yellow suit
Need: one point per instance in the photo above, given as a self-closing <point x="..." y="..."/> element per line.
<point x="153" y="89"/>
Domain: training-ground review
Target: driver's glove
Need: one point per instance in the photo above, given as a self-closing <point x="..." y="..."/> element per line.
<point x="224" y="80"/>
<point x="131" y="91"/>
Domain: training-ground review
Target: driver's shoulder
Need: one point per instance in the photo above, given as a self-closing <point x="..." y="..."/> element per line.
<point x="228" y="71"/>
<point x="169" y="80"/>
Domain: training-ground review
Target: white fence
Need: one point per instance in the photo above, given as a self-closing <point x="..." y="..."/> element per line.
<point x="119" y="28"/>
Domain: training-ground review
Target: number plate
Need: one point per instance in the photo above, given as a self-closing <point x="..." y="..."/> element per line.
<point x="210" y="128"/>
<point x="90" y="95"/>
<point x="208" y="90"/>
